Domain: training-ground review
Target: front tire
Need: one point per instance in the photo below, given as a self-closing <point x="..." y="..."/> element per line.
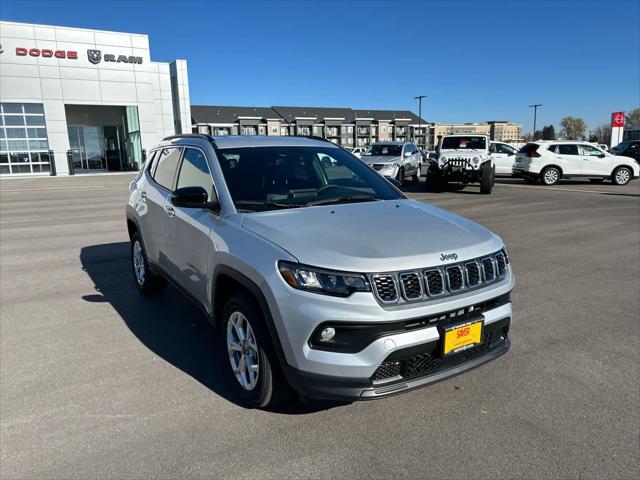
<point x="400" y="176"/>
<point x="550" y="176"/>
<point x="621" y="176"/>
<point x="487" y="179"/>
<point x="148" y="283"/>
<point x="251" y="365"/>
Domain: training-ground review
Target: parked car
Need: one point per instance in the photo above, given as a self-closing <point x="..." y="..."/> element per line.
<point x="398" y="160"/>
<point x="550" y="161"/>
<point x="628" y="148"/>
<point x="504" y="156"/>
<point x="359" y="151"/>
<point x="334" y="285"/>
<point x="462" y="158"/>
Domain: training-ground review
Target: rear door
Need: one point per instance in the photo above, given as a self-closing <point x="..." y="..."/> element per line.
<point x="595" y="161"/>
<point x="159" y="214"/>
<point x="189" y="243"/>
<point x="569" y="158"/>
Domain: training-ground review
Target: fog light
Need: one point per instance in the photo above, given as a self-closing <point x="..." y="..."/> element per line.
<point x="327" y="334"/>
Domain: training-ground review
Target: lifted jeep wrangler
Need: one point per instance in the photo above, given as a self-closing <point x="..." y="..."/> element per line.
<point x="462" y="158"/>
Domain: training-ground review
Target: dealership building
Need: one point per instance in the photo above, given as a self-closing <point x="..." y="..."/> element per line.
<point x="84" y="100"/>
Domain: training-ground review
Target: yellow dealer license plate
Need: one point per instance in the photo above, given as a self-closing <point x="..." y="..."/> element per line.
<point x="461" y="337"/>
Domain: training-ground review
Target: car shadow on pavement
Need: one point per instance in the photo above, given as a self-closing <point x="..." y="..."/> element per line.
<point x="169" y="325"/>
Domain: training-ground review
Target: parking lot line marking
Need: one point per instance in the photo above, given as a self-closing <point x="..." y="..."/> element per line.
<point x="554" y="189"/>
<point x="50" y="188"/>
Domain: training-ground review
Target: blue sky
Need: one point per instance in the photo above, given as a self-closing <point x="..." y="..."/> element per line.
<point x="475" y="61"/>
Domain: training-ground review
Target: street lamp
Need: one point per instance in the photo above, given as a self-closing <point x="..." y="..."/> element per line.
<point x="535" y="115"/>
<point x="419" y="98"/>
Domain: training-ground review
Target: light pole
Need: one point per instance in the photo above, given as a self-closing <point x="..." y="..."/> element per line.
<point x="419" y="98"/>
<point x="535" y="115"/>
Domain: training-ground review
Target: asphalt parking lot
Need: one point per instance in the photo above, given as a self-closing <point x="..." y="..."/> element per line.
<point x="98" y="382"/>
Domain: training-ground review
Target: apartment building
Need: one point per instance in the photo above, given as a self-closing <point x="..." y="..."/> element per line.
<point x="504" y="131"/>
<point x="343" y="126"/>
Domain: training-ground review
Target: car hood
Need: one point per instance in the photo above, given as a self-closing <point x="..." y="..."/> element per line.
<point x="379" y="159"/>
<point x="373" y="236"/>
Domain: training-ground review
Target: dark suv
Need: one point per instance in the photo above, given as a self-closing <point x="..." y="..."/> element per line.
<point x="628" y="148"/>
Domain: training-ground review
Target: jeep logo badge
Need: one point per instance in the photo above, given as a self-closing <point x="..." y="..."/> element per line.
<point x="448" y="256"/>
<point x="94" y="56"/>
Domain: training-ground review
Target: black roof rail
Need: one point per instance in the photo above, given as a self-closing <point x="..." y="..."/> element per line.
<point x="315" y="137"/>
<point x="188" y="135"/>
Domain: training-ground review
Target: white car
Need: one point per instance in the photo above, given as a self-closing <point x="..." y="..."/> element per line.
<point x="359" y="151"/>
<point x="504" y="156"/>
<point x="552" y="160"/>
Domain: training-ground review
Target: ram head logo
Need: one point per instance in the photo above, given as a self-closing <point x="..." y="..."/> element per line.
<point x="94" y="56"/>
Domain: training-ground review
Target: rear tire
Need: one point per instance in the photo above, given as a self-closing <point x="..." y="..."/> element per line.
<point x="550" y="176"/>
<point x="251" y="362"/>
<point x="148" y="283"/>
<point x="621" y="176"/>
<point x="487" y="179"/>
<point x="400" y="176"/>
<point x="434" y="182"/>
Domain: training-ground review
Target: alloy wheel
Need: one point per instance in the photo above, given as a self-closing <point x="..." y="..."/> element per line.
<point x="138" y="262"/>
<point x="243" y="351"/>
<point x="551" y="176"/>
<point x="622" y="176"/>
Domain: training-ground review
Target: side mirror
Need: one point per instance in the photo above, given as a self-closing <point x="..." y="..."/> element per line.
<point x="190" y="197"/>
<point x="602" y="155"/>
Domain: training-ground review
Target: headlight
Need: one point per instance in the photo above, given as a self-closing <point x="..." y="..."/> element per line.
<point x="442" y="160"/>
<point x="475" y="160"/>
<point x="319" y="280"/>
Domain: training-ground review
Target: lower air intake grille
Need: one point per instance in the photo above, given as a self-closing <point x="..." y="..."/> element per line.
<point x="411" y="286"/>
<point x="419" y="365"/>
<point x="385" y="288"/>
<point x="434" y="282"/>
<point x="386" y="370"/>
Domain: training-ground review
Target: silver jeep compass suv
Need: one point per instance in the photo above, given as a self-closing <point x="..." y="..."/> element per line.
<point x="320" y="276"/>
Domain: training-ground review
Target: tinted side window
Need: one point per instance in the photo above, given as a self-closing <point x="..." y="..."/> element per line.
<point x="165" y="169"/>
<point x="194" y="172"/>
<point x="151" y="163"/>
<point x="568" y="150"/>
<point x="501" y="148"/>
<point x="553" y="148"/>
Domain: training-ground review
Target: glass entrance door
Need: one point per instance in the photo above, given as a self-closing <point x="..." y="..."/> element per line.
<point x="87" y="148"/>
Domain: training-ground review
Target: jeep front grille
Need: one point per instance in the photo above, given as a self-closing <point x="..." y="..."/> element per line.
<point x="473" y="274"/>
<point x="385" y="288"/>
<point x="488" y="270"/>
<point x="434" y="282"/>
<point x="454" y="278"/>
<point x="423" y="284"/>
<point x="411" y="286"/>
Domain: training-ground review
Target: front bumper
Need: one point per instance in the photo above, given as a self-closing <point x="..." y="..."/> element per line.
<point x="419" y="366"/>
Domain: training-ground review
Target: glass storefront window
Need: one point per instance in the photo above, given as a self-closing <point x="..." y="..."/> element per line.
<point x="23" y="150"/>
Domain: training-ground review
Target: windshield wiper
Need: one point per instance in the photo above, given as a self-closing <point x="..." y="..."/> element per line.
<point x="268" y="204"/>
<point x="344" y="199"/>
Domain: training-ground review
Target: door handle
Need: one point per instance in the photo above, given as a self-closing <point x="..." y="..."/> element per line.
<point x="170" y="211"/>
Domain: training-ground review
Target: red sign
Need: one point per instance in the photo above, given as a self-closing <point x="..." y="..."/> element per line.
<point x="45" y="52"/>
<point x="617" y="119"/>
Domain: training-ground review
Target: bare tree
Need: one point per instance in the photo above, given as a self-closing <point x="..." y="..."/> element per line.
<point x="603" y="133"/>
<point x="573" y="128"/>
<point x="633" y="117"/>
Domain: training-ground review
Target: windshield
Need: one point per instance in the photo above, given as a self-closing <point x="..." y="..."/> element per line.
<point x="269" y="178"/>
<point x="384" y="151"/>
<point x="451" y="143"/>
